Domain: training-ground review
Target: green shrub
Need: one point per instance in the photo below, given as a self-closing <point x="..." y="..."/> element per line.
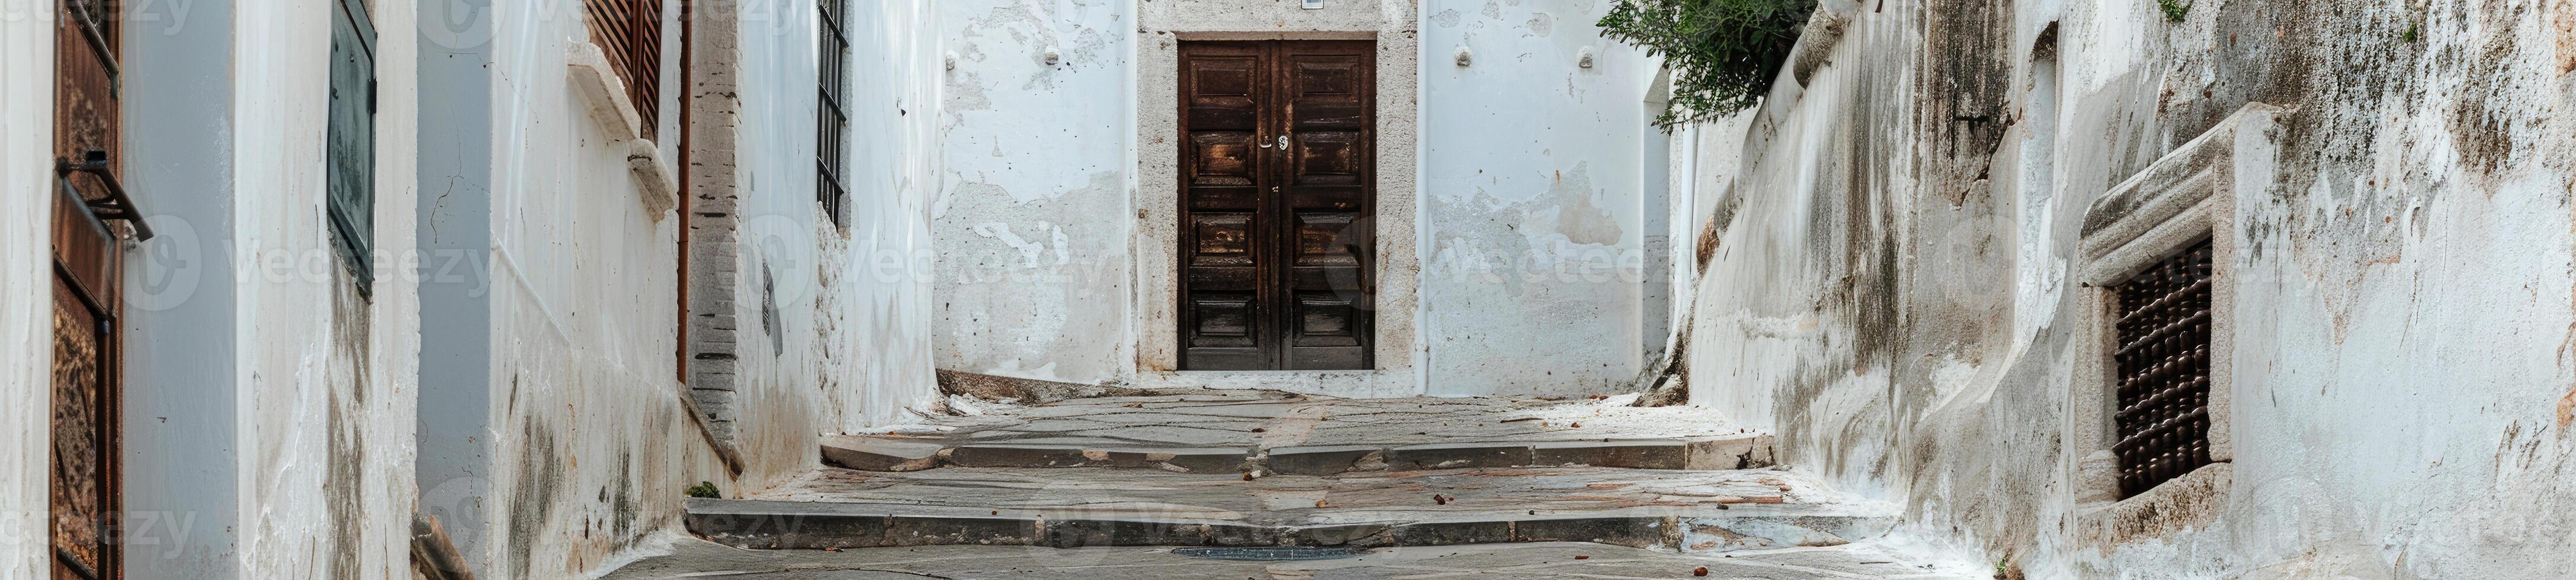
<point x="1723" y="53"/>
<point x="2175" y="10"/>
<point x="705" y="489"/>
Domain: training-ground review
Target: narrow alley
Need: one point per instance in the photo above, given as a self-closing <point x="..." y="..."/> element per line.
<point x="1287" y="289"/>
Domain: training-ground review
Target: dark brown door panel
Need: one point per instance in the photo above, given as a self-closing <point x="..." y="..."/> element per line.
<point x="87" y="401"/>
<point x="1278" y="176"/>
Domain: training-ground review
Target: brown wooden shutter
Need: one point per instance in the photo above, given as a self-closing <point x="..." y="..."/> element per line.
<point x="630" y="31"/>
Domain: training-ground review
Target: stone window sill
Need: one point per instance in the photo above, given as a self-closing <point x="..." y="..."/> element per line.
<point x="2190" y="501"/>
<point x="604" y="93"/>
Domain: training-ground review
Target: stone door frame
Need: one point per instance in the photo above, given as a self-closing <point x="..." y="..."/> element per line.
<point x="1161" y="26"/>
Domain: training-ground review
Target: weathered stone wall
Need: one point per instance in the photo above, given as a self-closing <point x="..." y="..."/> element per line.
<point x="1893" y="280"/>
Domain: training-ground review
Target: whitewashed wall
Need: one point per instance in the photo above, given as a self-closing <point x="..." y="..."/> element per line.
<point x="565" y="438"/>
<point x="1531" y="232"/>
<point x="326" y="375"/>
<point x="786" y="313"/>
<point x="26" y="269"/>
<point x="835" y="326"/>
<point x="181" y="454"/>
<point x="590" y="447"/>
<point x="1891" y="292"/>
<point x="895" y="75"/>
<point x="1032" y="222"/>
<point x="241" y="302"/>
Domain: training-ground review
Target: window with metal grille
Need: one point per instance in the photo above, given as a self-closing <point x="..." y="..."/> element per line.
<point x="630" y="32"/>
<point x="833" y="125"/>
<point x="351" y="133"/>
<point x="2163" y="355"/>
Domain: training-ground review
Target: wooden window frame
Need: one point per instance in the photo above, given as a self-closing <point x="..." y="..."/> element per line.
<point x="629" y="32"/>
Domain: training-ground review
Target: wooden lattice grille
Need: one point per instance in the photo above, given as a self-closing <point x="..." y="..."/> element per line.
<point x="630" y="31"/>
<point x="2163" y="355"/>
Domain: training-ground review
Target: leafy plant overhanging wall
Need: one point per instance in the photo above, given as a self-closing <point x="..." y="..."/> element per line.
<point x="1723" y="53"/>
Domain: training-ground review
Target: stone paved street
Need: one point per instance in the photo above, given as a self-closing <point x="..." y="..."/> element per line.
<point x="1268" y="431"/>
<point x="1276" y="419"/>
<point x="680" y="558"/>
<point x="1420" y="488"/>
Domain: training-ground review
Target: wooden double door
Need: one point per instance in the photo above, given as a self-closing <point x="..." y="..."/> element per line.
<point x="1278" y="191"/>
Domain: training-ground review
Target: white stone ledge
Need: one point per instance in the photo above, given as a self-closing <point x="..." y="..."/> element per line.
<point x="604" y="93"/>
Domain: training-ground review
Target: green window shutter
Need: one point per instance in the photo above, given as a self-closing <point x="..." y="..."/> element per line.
<point x="352" y="137"/>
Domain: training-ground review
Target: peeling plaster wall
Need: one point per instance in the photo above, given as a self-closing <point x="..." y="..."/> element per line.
<point x="1032" y="218"/>
<point x="1890" y="291"/>
<point x="1533" y="235"/>
<point x="26" y="269"/>
<point x="325" y="373"/>
<point x="553" y="434"/>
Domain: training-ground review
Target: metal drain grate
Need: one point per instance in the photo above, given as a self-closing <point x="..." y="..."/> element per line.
<point x="2163" y="338"/>
<point x="1268" y="554"/>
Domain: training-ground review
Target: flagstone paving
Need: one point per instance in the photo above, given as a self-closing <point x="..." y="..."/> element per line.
<point x="1259" y="431"/>
<point x="691" y="558"/>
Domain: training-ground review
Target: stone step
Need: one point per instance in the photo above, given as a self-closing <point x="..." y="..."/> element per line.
<point x="1674" y="510"/>
<point x="884" y="453"/>
<point x="1269" y="432"/>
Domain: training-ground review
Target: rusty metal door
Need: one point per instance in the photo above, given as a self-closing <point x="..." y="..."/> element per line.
<point x="83" y="497"/>
<point x="1278" y="188"/>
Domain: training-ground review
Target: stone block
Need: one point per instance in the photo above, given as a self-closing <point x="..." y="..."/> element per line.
<point x="1451" y="533"/>
<point x="1354" y="535"/>
<point x="1106" y="532"/>
<point x="873" y="454"/>
<point x="1322" y="459"/>
<point x="1185" y="460"/>
<point x="1742" y="452"/>
<point x="1450" y="456"/>
<point x="1021" y="456"/>
<point x="1626" y="454"/>
<point x="1634" y="532"/>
